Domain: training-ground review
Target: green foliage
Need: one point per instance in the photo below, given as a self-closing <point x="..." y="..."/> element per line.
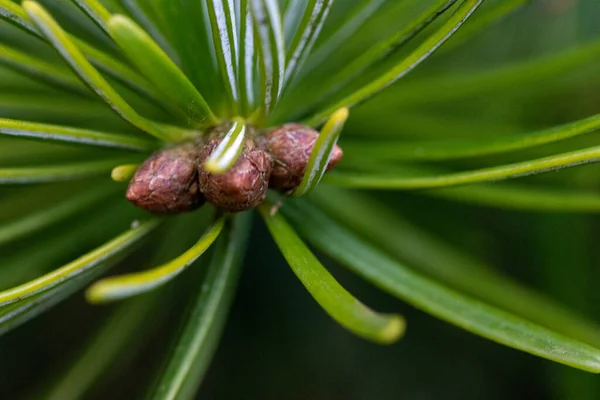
<point x="341" y="305"/>
<point x="92" y="86"/>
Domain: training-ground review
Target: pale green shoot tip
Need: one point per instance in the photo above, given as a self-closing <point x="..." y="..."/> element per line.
<point x="229" y="150"/>
<point x="124" y="173"/>
<point x="394" y="330"/>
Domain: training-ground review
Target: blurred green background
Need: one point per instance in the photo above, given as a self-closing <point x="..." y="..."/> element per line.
<point x="279" y="344"/>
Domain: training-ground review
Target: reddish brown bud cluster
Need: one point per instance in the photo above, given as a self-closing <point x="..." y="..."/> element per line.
<point x="291" y="146"/>
<point x="175" y="181"/>
<point x="167" y="182"/>
<point x="242" y="187"/>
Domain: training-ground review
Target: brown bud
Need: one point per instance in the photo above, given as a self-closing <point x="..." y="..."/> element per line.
<point x="167" y="182"/>
<point x="291" y="146"/>
<point x="242" y="187"/>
